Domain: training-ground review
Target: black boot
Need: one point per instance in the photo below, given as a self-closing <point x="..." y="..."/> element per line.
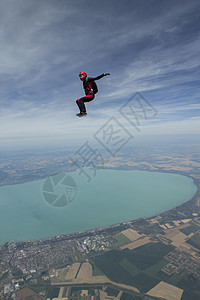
<point x="81" y="114"/>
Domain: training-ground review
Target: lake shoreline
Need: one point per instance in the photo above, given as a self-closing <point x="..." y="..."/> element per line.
<point x="176" y="172"/>
<point x="130" y="220"/>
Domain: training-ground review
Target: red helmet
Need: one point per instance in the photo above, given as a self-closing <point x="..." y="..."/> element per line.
<point x="82" y="75"/>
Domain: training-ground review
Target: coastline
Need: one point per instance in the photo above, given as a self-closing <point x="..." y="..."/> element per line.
<point x="60" y="253"/>
<point x="98" y="229"/>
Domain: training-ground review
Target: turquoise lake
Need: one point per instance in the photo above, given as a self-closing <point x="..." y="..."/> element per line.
<point x="73" y="202"/>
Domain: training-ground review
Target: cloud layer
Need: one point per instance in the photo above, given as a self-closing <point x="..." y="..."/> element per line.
<point x="148" y="46"/>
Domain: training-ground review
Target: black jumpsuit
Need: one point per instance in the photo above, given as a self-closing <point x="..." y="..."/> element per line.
<point x="89" y="94"/>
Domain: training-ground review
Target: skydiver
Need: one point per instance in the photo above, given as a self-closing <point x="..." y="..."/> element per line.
<point x="90" y="88"/>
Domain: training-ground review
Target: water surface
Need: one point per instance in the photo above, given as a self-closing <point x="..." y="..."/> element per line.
<point x="109" y="197"/>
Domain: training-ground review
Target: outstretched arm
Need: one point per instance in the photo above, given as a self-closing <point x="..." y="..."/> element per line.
<point x="98" y="77"/>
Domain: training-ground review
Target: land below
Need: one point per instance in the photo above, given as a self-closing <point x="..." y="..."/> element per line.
<point x="156" y="258"/>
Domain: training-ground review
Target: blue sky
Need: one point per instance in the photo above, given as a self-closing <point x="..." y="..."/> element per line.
<point x="148" y="46"/>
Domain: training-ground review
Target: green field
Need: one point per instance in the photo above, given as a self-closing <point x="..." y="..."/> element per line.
<point x="174" y="279"/>
<point x="95" y="271"/>
<point x="109" y="264"/>
<point x="192" y="228"/>
<point x="53" y="292"/>
<point x="129" y="267"/>
<point x="120" y="239"/>
<point x="191" y="286"/>
<point x="140" y="267"/>
<point x="195" y="241"/>
<point x="155" y="269"/>
<point x="145" y="282"/>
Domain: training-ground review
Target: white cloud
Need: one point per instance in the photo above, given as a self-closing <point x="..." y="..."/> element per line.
<point x="36" y="121"/>
<point x="43" y="46"/>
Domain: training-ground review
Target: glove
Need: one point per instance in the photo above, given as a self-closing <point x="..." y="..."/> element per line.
<point x="105" y="74"/>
